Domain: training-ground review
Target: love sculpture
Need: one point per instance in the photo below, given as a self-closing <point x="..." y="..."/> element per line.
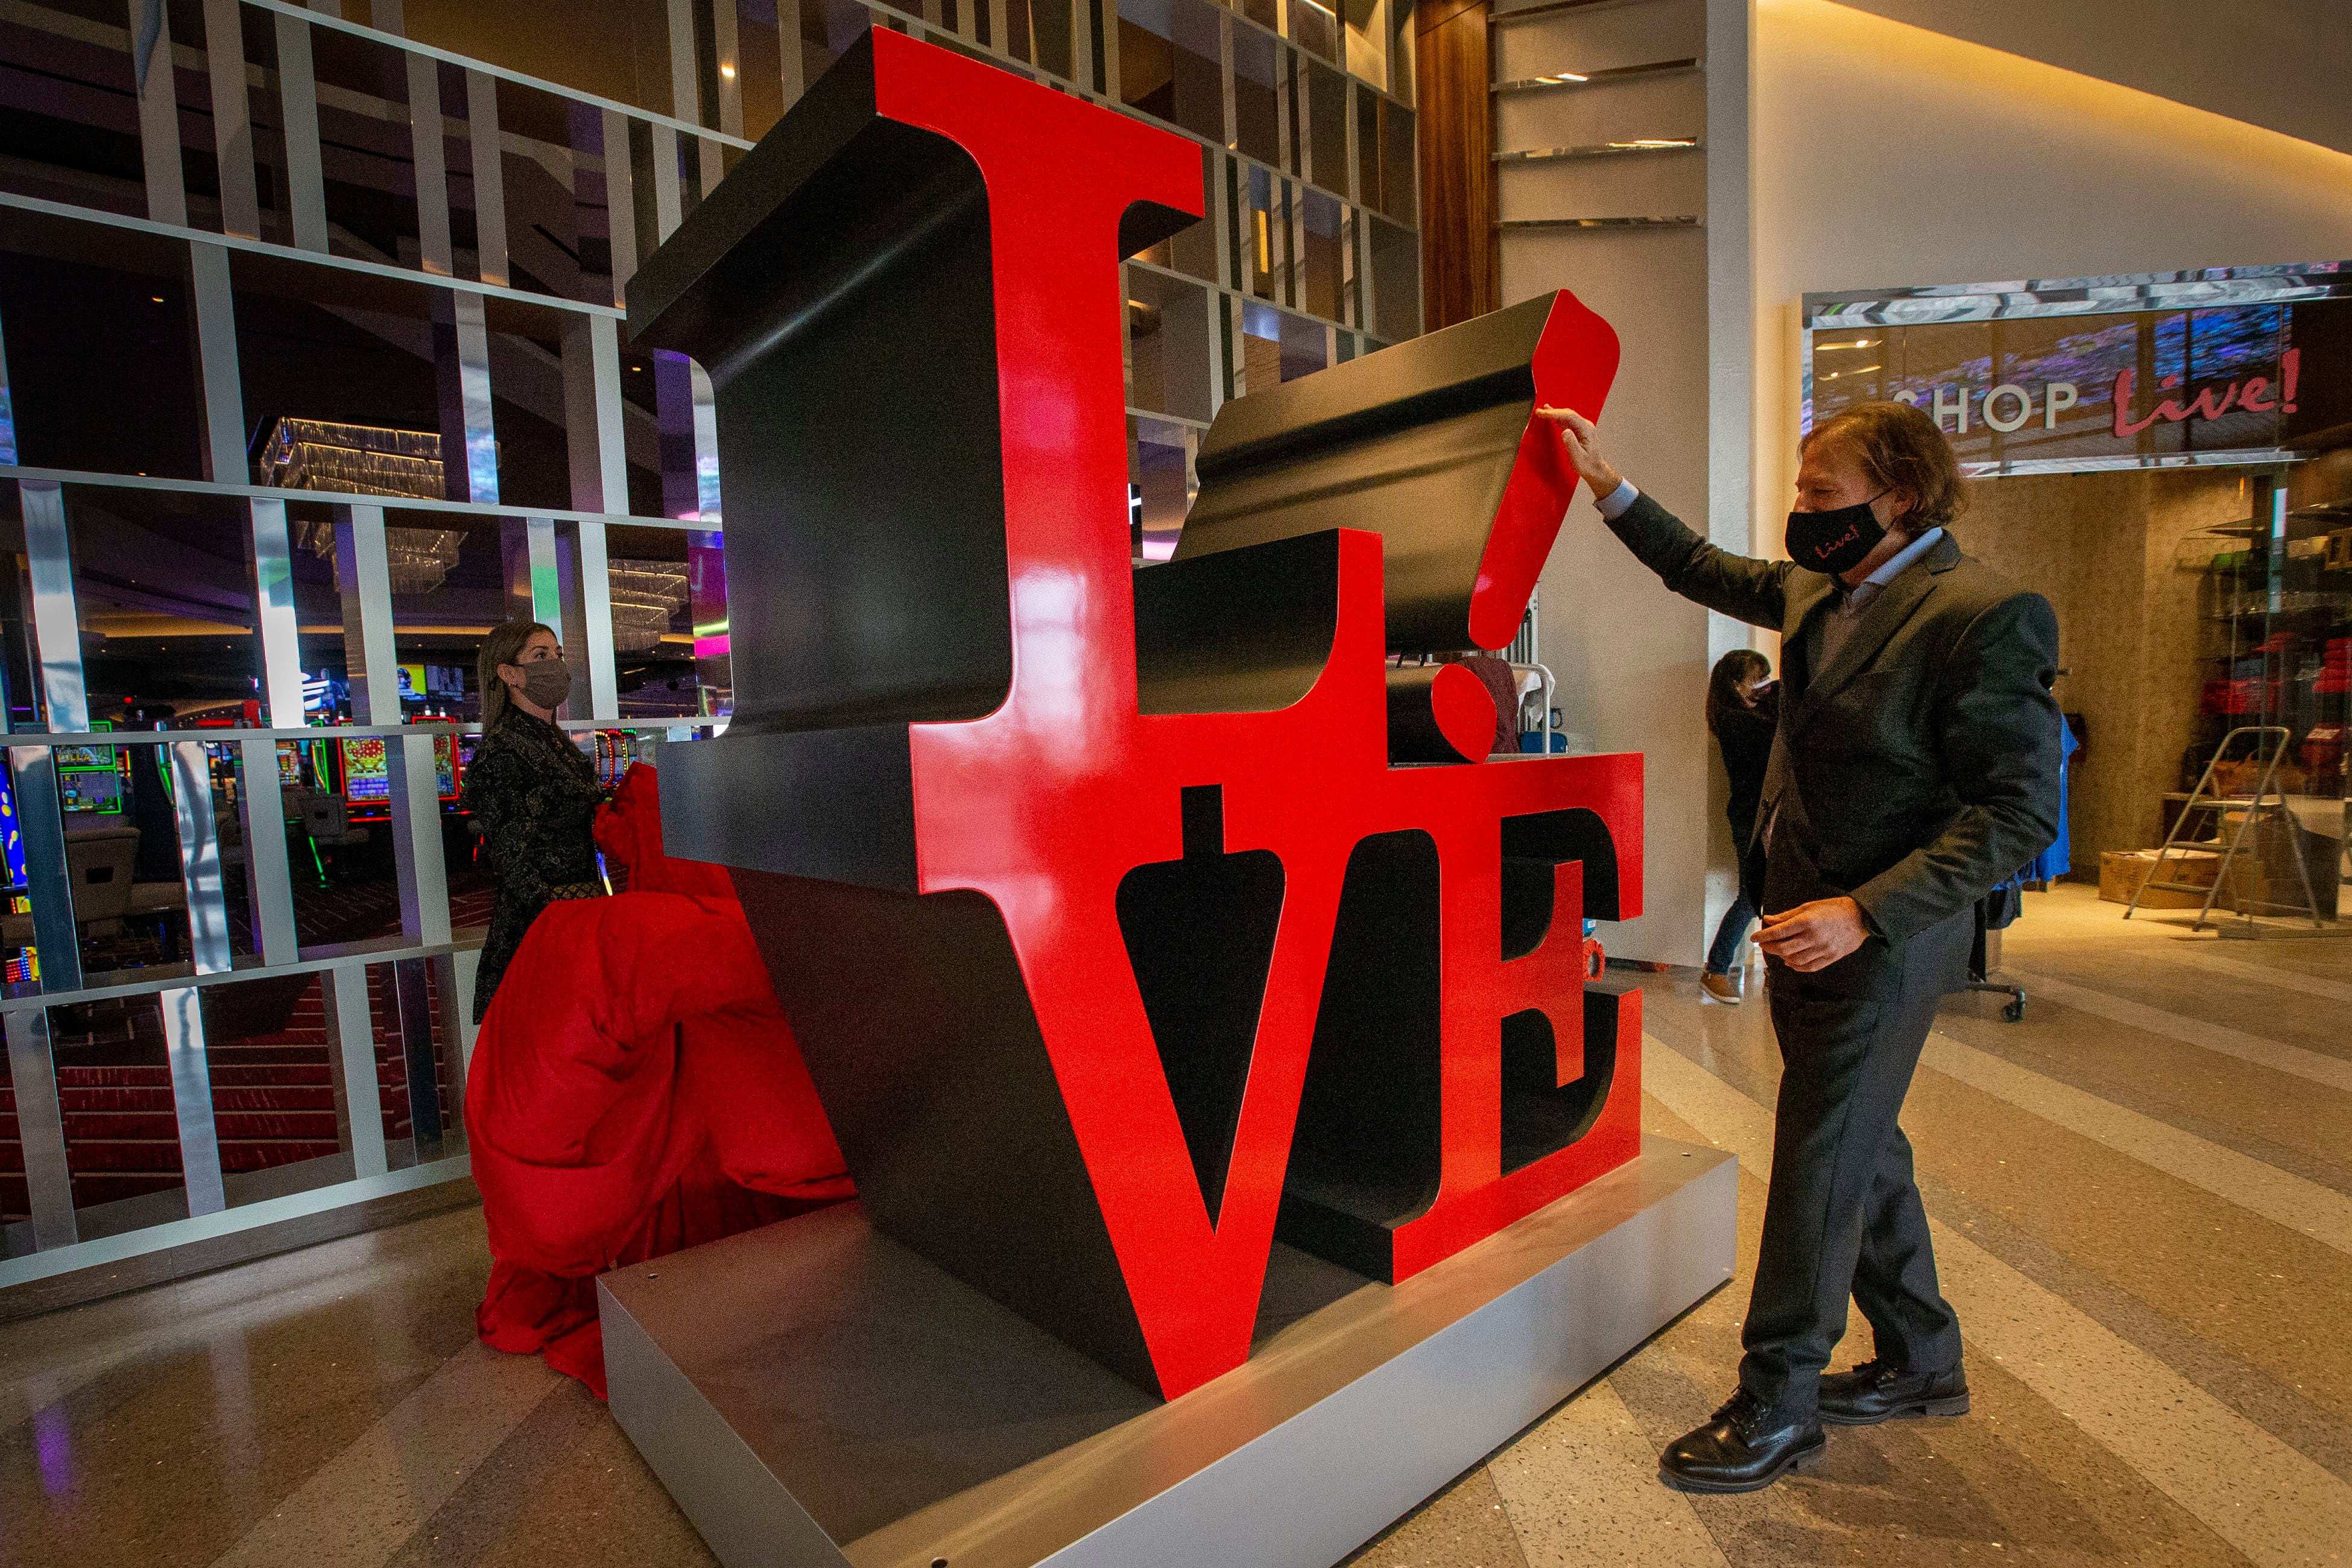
<point x="1130" y="918"/>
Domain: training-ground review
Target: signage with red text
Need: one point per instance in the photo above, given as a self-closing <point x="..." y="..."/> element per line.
<point x="2053" y="393"/>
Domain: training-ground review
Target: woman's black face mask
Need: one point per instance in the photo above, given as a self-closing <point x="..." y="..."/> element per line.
<point x="1834" y="542"/>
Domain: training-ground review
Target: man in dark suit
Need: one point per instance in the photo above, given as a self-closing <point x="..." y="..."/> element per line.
<point x="1915" y="766"/>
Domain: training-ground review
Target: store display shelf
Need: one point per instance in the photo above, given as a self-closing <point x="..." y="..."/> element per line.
<point x="1561" y="81"/>
<point x="1685" y="220"/>
<point x="1648" y="144"/>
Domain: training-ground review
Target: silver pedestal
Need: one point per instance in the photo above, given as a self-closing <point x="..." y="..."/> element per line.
<point x="813" y="1393"/>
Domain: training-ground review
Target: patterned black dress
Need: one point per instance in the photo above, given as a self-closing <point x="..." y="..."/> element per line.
<point x="533" y="795"/>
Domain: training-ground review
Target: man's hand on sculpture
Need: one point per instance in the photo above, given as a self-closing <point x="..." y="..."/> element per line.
<point x="1815" y="935"/>
<point x="1576" y="433"/>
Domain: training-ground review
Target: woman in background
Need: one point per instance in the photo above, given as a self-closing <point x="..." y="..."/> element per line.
<point x="1743" y="709"/>
<point x="533" y="793"/>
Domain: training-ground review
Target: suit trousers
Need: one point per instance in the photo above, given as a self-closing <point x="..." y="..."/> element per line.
<point x="1843" y="1215"/>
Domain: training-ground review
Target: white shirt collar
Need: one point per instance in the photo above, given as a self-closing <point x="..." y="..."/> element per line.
<point x="1893" y="566"/>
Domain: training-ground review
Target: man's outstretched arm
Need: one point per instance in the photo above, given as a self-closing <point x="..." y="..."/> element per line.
<point x="1745" y="589"/>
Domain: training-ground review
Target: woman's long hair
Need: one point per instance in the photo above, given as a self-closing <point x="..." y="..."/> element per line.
<point x="1734" y="669"/>
<point x="503" y="645"/>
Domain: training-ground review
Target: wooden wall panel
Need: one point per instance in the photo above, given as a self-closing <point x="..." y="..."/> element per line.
<point x="1459" y="273"/>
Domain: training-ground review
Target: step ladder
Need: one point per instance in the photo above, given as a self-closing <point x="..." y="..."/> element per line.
<point x="2263" y="805"/>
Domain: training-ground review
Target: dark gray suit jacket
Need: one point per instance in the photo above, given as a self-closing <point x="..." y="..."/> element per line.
<point x="1917" y="770"/>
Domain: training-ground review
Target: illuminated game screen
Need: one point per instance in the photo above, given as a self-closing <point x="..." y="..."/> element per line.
<point x="89" y="790"/>
<point x="364" y="776"/>
<point x="12" y="840"/>
<point x="445" y="766"/>
<point x="289" y="764"/>
<point x="85" y="757"/>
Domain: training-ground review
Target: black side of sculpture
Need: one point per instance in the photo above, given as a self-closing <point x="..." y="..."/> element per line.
<point x="1414" y="443"/>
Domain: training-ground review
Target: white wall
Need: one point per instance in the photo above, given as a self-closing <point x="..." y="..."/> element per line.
<point x="2279" y="64"/>
<point x="1631" y="659"/>
<point x="1887" y="155"/>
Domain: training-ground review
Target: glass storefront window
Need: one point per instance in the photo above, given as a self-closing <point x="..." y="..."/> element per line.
<point x="1168" y="54"/>
<point x="654" y="640"/>
<point x="1159" y="474"/>
<point x="1314" y="29"/>
<point x="1326" y="126"/>
<point x="1396" y="281"/>
<point x="101" y="364"/>
<point x="1322" y="263"/>
<point x="1168" y="344"/>
<point x="1397" y="164"/>
<point x="1257" y="122"/>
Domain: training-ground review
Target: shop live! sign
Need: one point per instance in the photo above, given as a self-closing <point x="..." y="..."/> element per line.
<point x="2213" y="384"/>
<point x="1113" y="936"/>
<point x="2011" y="406"/>
<point x="2253" y="394"/>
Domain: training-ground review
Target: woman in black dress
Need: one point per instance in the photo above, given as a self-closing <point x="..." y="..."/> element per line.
<point x="1743" y="709"/>
<point x="533" y="793"/>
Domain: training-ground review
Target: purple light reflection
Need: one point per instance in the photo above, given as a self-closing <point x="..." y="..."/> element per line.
<point x="53" y="1449"/>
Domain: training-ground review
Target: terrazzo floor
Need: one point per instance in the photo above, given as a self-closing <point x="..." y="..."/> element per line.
<point x="2142" y="1197"/>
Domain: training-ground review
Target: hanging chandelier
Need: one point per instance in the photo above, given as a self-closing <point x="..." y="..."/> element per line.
<point x="645" y="596"/>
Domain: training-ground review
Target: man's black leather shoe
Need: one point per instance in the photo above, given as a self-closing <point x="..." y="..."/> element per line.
<point x="1737" y="1452"/>
<point x="1880" y="1391"/>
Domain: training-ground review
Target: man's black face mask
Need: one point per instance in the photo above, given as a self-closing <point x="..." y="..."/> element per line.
<point x="1834" y="542"/>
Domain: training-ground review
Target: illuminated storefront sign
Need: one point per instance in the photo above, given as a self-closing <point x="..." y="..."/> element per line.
<point x="2186" y="370"/>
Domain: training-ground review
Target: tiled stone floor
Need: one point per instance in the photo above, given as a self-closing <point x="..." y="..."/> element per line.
<point x="2143" y="1202"/>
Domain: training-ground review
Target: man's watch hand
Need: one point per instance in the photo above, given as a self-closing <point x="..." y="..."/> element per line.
<point x="1578" y="435"/>
<point x="1815" y="935"/>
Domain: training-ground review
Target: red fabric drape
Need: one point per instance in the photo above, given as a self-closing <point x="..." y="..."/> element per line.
<point x="634" y="1091"/>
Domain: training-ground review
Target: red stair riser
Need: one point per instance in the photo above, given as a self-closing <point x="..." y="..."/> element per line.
<point x="120" y="1156"/>
<point x="240" y="1126"/>
<point x="243" y="1157"/>
<point x="276" y="1098"/>
<point x="84" y="1128"/>
<point x="114" y="1099"/>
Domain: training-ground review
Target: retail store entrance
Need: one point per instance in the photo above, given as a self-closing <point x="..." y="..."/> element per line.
<point x="2168" y="459"/>
<point x="2206" y="635"/>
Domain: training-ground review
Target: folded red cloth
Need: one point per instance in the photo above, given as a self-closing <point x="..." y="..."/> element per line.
<point x="634" y="1091"/>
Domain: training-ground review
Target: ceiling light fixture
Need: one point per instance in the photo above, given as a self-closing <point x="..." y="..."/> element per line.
<point x="727" y="70"/>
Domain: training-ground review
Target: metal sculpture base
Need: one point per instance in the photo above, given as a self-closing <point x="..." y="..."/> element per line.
<point x="813" y="1393"/>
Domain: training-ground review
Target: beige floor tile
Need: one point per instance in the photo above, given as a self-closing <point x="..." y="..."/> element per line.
<point x="1582" y="1490"/>
<point x="2268" y="1503"/>
<point x="1465" y="1526"/>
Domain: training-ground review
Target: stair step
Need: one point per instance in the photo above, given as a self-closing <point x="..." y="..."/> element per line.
<point x="97" y="1077"/>
<point x="87" y="1128"/>
<point x="275" y="1097"/>
<point x="245" y="1054"/>
<point x="123" y="1155"/>
<point x="114" y="1099"/>
<point x="225" y="1074"/>
<point x="263" y="1155"/>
